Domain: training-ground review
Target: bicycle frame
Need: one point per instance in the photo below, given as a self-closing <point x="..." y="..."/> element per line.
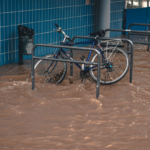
<point x="86" y="42"/>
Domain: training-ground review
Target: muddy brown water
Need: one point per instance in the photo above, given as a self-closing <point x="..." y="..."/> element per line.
<point x="68" y="117"/>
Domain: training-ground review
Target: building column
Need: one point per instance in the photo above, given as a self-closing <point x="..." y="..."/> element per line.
<point x="104" y="15"/>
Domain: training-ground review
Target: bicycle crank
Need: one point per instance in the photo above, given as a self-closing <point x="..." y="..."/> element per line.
<point x="84" y="74"/>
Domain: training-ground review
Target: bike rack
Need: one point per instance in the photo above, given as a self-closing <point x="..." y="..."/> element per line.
<point x="132" y="32"/>
<point x="105" y="38"/>
<point x="140" y="24"/>
<point x="64" y="60"/>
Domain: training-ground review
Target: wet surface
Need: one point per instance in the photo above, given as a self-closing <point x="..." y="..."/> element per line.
<point x="67" y="116"/>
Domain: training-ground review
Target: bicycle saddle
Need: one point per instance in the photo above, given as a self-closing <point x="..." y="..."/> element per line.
<point x="100" y="33"/>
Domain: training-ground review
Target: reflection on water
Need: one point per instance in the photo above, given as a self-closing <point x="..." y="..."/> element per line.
<point x="67" y="116"/>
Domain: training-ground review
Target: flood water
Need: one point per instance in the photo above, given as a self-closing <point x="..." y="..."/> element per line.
<point x="68" y="117"/>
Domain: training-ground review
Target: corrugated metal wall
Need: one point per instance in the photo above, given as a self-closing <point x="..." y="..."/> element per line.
<point x="73" y="16"/>
<point x="138" y="15"/>
<point x="117" y="12"/>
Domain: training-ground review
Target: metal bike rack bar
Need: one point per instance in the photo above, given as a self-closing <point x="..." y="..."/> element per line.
<point x="133" y="32"/>
<point x="138" y="24"/>
<point x="105" y="38"/>
<point x="64" y="60"/>
<point x="141" y="24"/>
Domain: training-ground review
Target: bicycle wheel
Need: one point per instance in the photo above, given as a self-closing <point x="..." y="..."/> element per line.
<point x="50" y="71"/>
<point x="114" y="69"/>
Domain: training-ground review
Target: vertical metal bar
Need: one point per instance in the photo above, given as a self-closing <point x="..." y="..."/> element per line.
<point x="148" y="38"/>
<point x="71" y="64"/>
<point x="131" y="63"/>
<point x="20" y="54"/>
<point x="32" y="69"/>
<point x="20" y="57"/>
<point x="128" y="36"/>
<point x="124" y="21"/>
<point x="98" y="77"/>
<point x="33" y="76"/>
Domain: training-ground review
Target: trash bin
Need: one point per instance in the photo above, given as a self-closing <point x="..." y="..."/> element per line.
<point x="26" y="41"/>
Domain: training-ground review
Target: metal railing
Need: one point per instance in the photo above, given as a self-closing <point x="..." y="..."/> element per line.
<point x="64" y="60"/>
<point x="105" y="38"/>
<point x="140" y="24"/>
<point x="133" y="32"/>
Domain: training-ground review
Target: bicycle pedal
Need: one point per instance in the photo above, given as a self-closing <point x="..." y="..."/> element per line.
<point x="82" y="57"/>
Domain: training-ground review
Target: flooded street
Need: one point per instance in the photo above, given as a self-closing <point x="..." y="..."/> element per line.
<point x="68" y="117"/>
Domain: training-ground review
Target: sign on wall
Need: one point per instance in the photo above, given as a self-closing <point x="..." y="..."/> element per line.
<point x="87" y="2"/>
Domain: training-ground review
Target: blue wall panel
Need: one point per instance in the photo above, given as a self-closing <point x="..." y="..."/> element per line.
<point x="148" y="15"/>
<point x="138" y="15"/>
<point x="116" y="18"/>
<point x="73" y="16"/>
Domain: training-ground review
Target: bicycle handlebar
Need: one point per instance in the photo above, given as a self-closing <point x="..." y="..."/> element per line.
<point x="66" y="37"/>
<point x="56" y="25"/>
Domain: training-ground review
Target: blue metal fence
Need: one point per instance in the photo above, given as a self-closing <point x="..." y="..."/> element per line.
<point x="74" y="16"/>
<point x="117" y="13"/>
<point x="136" y="15"/>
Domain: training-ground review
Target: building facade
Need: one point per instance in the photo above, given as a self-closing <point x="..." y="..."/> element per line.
<point x="76" y="17"/>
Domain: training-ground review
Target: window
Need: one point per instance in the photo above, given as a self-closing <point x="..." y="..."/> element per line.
<point x="136" y="3"/>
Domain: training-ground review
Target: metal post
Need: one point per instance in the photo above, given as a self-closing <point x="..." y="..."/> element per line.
<point x="148" y="39"/>
<point x="124" y="21"/>
<point x="32" y="69"/>
<point x="131" y="62"/>
<point x="20" y="54"/>
<point x="20" y="58"/>
<point x="98" y="77"/>
<point x="104" y="20"/>
<point x="71" y="64"/>
<point x="128" y="36"/>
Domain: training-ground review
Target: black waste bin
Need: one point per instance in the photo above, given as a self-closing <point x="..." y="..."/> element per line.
<point x="26" y="41"/>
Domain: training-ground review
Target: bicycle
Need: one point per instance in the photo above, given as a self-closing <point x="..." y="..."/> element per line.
<point x="114" y="62"/>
